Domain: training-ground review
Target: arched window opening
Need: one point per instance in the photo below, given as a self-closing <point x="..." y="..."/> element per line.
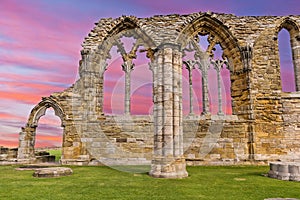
<point x="185" y="91"/>
<point x="226" y="90"/>
<point x="212" y="90"/>
<point x="206" y="78"/>
<point x="203" y="42"/>
<point x="191" y="83"/>
<point x="197" y="91"/>
<point x="225" y="82"/>
<point x="113" y="85"/>
<point x="127" y="78"/>
<point x="49" y="134"/>
<point x="287" y="72"/>
<point x="141" y="86"/>
<point x="218" y="52"/>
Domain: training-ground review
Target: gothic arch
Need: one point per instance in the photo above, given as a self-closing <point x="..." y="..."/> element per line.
<point x="290" y="25"/>
<point x="207" y="24"/>
<point x="39" y="110"/>
<point x="28" y="133"/>
<point x="126" y="22"/>
<point x="126" y="27"/>
<point x="93" y="59"/>
<point x="232" y="52"/>
<point x="293" y="28"/>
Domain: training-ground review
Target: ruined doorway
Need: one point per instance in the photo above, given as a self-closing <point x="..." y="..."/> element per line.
<point x="49" y="136"/>
<point x="28" y="134"/>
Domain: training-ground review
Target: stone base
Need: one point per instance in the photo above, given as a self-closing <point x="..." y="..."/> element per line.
<point x="288" y="171"/>
<point x="175" y="169"/>
<point x="52" y="172"/>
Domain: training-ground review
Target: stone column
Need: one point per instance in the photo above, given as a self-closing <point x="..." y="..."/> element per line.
<point x="218" y="64"/>
<point x="204" y="64"/>
<point x="127" y="67"/>
<point x="26" y="143"/>
<point x="168" y="161"/>
<point x="100" y="88"/>
<point x="247" y="54"/>
<point x="190" y="65"/>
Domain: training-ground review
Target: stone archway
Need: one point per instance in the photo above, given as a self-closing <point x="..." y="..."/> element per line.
<point x="294" y="32"/>
<point x="218" y="33"/>
<point x="28" y="134"/>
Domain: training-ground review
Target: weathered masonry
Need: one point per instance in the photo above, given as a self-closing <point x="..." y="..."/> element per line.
<point x="263" y="123"/>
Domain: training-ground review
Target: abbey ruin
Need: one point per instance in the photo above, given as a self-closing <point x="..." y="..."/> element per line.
<point x="263" y="123"/>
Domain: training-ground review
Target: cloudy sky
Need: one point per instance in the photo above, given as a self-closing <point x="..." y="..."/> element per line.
<point x="40" y="43"/>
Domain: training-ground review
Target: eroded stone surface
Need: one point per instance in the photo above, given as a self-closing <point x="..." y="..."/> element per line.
<point x="52" y="172"/>
<point x="264" y="125"/>
<point x="288" y="171"/>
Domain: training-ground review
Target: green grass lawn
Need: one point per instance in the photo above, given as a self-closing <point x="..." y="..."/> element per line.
<point x="56" y="153"/>
<point x="230" y="182"/>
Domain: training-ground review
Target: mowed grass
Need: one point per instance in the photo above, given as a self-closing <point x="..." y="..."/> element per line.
<point x="227" y="182"/>
<point x="55" y="152"/>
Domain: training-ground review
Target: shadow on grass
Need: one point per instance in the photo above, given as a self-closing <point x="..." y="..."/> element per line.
<point x="136" y="169"/>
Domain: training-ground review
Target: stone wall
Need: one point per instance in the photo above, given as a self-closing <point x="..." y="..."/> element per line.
<point x="264" y="125"/>
<point x="8" y="154"/>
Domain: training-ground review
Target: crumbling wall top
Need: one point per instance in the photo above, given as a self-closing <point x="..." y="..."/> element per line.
<point x="167" y="27"/>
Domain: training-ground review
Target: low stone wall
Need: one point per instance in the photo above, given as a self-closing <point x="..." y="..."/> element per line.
<point x="217" y="140"/>
<point x="115" y="140"/>
<point x="8" y="154"/>
<point x="128" y="140"/>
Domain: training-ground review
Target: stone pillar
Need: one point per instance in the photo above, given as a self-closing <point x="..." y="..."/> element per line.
<point x="204" y="64"/>
<point x="218" y="65"/>
<point x="102" y="69"/>
<point x="190" y="65"/>
<point x="247" y="54"/>
<point x="127" y="67"/>
<point x="26" y="144"/>
<point x="168" y="161"/>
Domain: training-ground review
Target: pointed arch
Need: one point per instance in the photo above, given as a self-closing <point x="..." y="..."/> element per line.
<point x="39" y="110"/>
<point x="27" y="136"/>
<point x="208" y="24"/>
<point x="290" y="25"/>
<point x="94" y="61"/>
<point x="124" y="23"/>
<point x="294" y="31"/>
<point x="218" y="34"/>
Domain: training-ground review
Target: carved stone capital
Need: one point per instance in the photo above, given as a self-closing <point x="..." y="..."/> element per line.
<point x="190" y="64"/>
<point x="127" y="67"/>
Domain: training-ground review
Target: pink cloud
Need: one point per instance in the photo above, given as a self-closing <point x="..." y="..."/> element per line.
<point x="9" y="116"/>
<point x="8" y="140"/>
<point x="22" y="97"/>
<point x="20" y="23"/>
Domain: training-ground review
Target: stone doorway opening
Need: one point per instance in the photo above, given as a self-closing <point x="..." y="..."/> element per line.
<point x="31" y="143"/>
<point x="49" y="137"/>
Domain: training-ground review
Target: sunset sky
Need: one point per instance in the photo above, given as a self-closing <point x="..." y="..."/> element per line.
<point x="40" y="43"/>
